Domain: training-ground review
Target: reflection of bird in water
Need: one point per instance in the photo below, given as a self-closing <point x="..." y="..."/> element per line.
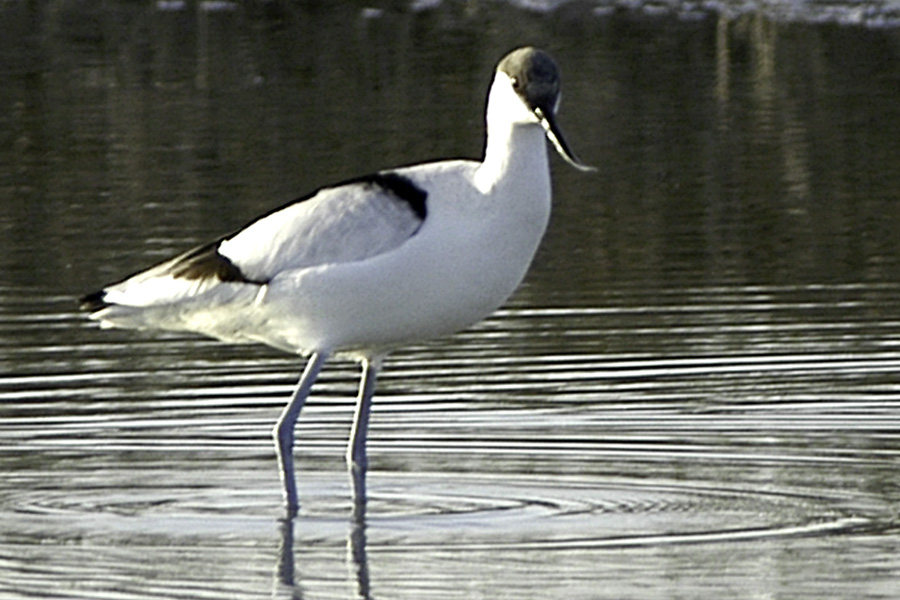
<point x="286" y="585"/>
<point x="371" y="264"/>
<point x="358" y="560"/>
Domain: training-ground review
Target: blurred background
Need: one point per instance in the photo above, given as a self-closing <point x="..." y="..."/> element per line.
<point x="694" y="394"/>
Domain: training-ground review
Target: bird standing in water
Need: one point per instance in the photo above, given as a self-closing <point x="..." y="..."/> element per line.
<point x="366" y="266"/>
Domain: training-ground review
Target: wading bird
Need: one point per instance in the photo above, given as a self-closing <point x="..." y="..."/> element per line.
<point x="363" y="267"/>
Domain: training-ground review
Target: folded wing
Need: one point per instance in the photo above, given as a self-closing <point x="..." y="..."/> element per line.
<point x="349" y="222"/>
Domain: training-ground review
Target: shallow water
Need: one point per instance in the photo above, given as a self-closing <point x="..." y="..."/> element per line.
<point x="695" y="394"/>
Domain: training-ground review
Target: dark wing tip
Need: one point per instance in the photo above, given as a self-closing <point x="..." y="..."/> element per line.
<point x="206" y="262"/>
<point x="94" y="302"/>
<point x="203" y="262"/>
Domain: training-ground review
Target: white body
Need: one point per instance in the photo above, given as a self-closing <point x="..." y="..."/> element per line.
<point x="376" y="263"/>
<point x="346" y="273"/>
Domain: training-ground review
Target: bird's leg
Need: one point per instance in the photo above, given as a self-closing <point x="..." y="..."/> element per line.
<point x="357" y="462"/>
<point x="284" y="430"/>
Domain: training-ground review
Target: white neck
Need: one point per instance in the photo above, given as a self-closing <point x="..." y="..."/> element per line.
<point x="516" y="147"/>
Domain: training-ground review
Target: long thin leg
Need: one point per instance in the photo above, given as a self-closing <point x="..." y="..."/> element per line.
<point x="284" y="430"/>
<point x="357" y="462"/>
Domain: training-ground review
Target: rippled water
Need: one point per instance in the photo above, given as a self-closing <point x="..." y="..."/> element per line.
<point x="767" y="460"/>
<point x="695" y="394"/>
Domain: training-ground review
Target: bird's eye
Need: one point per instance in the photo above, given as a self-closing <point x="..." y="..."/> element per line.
<point x="515" y="82"/>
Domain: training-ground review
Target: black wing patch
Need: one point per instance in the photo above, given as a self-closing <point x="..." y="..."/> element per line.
<point x="94" y="302"/>
<point x="205" y="262"/>
<point x="401" y="187"/>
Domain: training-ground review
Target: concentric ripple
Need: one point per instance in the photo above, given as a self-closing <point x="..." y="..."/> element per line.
<point x="708" y="433"/>
<point x="408" y="512"/>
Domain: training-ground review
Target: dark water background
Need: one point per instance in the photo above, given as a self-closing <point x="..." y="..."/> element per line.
<point x="696" y="394"/>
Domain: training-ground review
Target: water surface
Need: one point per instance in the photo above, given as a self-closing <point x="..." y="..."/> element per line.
<point x="695" y="393"/>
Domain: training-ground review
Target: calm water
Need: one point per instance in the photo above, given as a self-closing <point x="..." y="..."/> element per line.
<point x="696" y="394"/>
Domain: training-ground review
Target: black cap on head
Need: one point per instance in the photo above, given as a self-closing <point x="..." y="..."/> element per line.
<point x="535" y="78"/>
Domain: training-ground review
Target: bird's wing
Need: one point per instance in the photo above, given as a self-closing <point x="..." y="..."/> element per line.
<point x="348" y="222"/>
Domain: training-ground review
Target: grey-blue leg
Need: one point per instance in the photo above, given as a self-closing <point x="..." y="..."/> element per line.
<point x="357" y="462"/>
<point x="284" y="430"/>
